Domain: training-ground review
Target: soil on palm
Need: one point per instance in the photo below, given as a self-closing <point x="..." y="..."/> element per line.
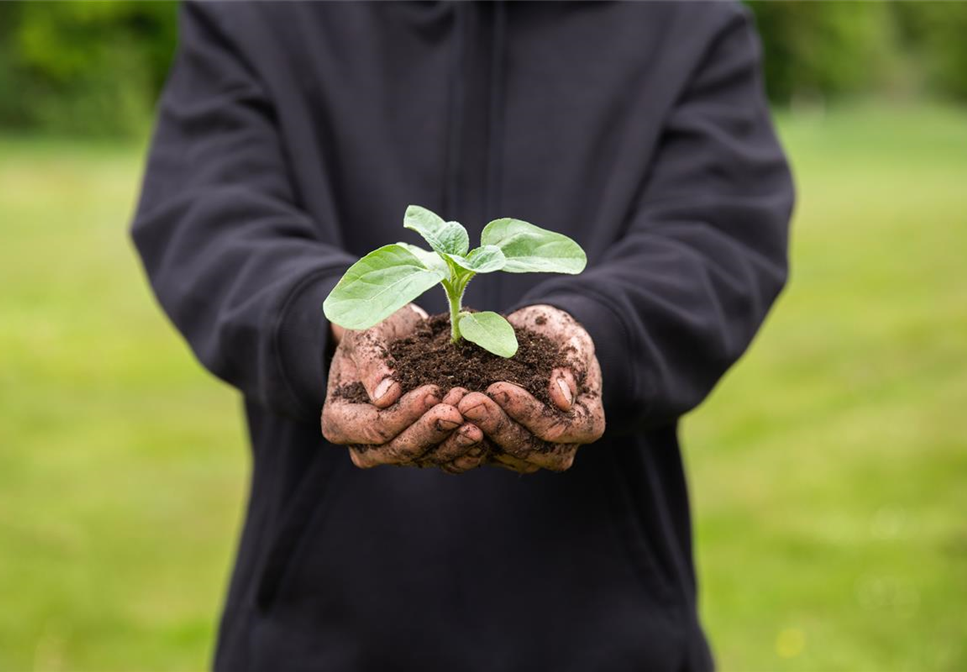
<point x="428" y="357"/>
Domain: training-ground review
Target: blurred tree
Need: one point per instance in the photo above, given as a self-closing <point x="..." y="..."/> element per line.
<point x="823" y="49"/>
<point x="95" y="68"/>
<point x="936" y="33"/>
<point x="83" y="67"/>
<point x="13" y="112"/>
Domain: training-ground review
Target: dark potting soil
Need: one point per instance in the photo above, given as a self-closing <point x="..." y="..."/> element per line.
<point x="354" y="393"/>
<point x="428" y="357"/>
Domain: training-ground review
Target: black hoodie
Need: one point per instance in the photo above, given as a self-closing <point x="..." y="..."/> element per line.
<point x="290" y="139"/>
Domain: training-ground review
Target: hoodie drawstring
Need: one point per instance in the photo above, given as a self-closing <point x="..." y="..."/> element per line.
<point x="495" y="121"/>
<point x="492" y="158"/>
<point x="455" y="112"/>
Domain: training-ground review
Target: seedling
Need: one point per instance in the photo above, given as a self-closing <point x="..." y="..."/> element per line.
<point x="387" y="279"/>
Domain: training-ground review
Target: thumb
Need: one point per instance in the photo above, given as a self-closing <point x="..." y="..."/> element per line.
<point x="369" y="356"/>
<point x="562" y="388"/>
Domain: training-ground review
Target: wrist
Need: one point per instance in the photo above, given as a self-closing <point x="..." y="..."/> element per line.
<point x="336" y="332"/>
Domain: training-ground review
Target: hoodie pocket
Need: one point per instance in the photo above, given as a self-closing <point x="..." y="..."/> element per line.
<point x="413" y="569"/>
<point x="636" y="524"/>
<point x="307" y="503"/>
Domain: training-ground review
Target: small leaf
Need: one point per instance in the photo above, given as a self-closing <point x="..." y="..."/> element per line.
<point x="490" y="331"/>
<point x="486" y="259"/>
<point x="431" y="260"/>
<point x="531" y="249"/>
<point x="377" y="286"/>
<point x="444" y="237"/>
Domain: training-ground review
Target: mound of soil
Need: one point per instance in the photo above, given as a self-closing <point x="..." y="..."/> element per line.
<point x="428" y="357"/>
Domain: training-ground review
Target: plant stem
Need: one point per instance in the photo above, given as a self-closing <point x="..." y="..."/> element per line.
<point x="454" y="296"/>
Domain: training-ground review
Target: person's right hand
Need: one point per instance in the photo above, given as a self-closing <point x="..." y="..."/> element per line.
<point x="420" y="428"/>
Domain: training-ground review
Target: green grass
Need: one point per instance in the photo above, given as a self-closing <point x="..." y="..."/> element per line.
<point x="828" y="469"/>
<point x="122" y="465"/>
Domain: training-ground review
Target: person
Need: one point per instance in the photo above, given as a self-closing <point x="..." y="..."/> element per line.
<point x="290" y="138"/>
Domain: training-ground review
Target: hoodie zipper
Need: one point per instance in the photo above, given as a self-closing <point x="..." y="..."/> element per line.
<point x="495" y="130"/>
<point x="474" y="138"/>
<point x="451" y="199"/>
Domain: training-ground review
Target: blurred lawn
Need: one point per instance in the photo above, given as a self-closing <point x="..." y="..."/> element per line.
<point x="829" y="470"/>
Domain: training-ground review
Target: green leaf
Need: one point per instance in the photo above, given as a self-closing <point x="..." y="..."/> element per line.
<point x="486" y="259"/>
<point x="531" y="249"/>
<point x="431" y="260"/>
<point x="377" y="286"/>
<point x="490" y="331"/>
<point x="444" y="237"/>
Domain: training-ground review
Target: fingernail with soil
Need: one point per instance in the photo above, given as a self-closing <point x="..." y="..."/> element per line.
<point x="382" y="388"/>
<point x="446" y="425"/>
<point x="565" y="390"/>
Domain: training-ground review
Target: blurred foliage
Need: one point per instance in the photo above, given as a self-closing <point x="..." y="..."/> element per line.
<point x="831" y="49"/>
<point x="95" y="68"/>
<point x="825" y="49"/>
<point x="936" y="32"/>
<point x="85" y="68"/>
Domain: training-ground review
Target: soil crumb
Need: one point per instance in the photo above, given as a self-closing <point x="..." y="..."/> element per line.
<point x="354" y="393"/>
<point x="428" y="357"/>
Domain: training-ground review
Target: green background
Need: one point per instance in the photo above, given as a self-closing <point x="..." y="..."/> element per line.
<point x="828" y="469"/>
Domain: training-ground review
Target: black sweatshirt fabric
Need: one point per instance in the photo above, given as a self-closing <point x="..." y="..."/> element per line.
<point x="291" y="137"/>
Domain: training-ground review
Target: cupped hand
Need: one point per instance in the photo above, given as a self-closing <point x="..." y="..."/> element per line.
<point x="527" y="434"/>
<point x="420" y="428"/>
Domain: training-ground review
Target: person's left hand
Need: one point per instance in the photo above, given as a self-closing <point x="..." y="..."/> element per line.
<point x="526" y="434"/>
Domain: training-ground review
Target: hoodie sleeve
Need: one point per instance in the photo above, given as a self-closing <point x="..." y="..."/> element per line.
<point x="679" y="297"/>
<point x="239" y="268"/>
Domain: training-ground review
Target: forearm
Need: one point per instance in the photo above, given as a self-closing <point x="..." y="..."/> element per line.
<point x="336" y="333"/>
<point x="241" y="269"/>
<point x="674" y="302"/>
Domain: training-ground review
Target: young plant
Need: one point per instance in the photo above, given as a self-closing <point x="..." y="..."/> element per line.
<point x="387" y="279"/>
